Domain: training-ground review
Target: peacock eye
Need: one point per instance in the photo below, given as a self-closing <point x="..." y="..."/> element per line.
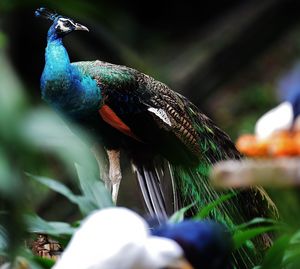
<point x="68" y="24"/>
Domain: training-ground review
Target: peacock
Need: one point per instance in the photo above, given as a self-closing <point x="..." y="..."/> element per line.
<point x="170" y="143"/>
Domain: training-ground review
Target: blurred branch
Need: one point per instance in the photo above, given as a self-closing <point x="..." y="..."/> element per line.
<point x="282" y="172"/>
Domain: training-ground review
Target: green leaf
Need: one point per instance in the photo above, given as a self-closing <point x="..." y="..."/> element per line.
<point x="291" y="258"/>
<point x="55" y="186"/>
<point x="204" y="212"/>
<point x="179" y="215"/>
<point x="86" y="206"/>
<point x="241" y="237"/>
<point x="274" y="256"/>
<point x="44" y="129"/>
<point x="255" y="221"/>
<point x="12" y="101"/>
<point x="93" y="188"/>
<point x="295" y="238"/>
<point x="3" y="40"/>
<point x="85" y="203"/>
<point x="35" y="224"/>
<point x="44" y="262"/>
<point x="28" y="262"/>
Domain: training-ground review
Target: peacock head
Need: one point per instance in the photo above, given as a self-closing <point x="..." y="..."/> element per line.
<point x="61" y="25"/>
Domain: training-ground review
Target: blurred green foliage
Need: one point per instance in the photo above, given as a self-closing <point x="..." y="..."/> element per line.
<point x="24" y="134"/>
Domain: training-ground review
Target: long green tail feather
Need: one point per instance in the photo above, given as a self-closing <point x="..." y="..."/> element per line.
<point x="195" y="188"/>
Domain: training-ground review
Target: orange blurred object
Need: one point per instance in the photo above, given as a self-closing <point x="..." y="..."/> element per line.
<point x="297" y="141"/>
<point x="283" y="144"/>
<point x="249" y="145"/>
<point x="278" y="145"/>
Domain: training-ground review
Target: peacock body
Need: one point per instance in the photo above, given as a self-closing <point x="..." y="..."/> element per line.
<point x="170" y="143"/>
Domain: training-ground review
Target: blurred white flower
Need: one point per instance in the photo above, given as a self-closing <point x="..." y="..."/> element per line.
<point x="117" y="238"/>
<point x="277" y="119"/>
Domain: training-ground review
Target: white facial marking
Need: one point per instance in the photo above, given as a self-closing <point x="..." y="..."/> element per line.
<point x="63" y="19"/>
<point x="61" y="24"/>
<point x="161" y="114"/>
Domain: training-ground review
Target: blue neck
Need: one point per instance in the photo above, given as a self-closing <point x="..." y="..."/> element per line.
<point x="63" y="86"/>
<point x="57" y="58"/>
<point x="57" y="61"/>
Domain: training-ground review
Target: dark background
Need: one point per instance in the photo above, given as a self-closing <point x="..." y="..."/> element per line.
<point x="226" y="56"/>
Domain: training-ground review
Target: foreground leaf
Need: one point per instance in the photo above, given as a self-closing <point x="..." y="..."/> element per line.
<point x="85" y="203"/>
<point x="205" y="211"/>
<point x="255" y="221"/>
<point x="55" y="186"/>
<point x="241" y="237"/>
<point x="179" y="215"/>
<point x="44" y="262"/>
<point x="93" y="188"/>
<point x="36" y="224"/>
<point x="274" y="256"/>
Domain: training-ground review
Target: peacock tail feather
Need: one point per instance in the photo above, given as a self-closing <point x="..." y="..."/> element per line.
<point x="194" y="187"/>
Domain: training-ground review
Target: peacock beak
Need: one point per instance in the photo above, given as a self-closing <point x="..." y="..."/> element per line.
<point x="79" y="27"/>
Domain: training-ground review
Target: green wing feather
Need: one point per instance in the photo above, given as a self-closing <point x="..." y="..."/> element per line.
<point x="209" y="144"/>
<point x="109" y="75"/>
<point x="197" y="134"/>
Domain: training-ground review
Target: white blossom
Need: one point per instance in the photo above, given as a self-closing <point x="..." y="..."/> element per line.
<point x="117" y="238"/>
<point x="277" y="119"/>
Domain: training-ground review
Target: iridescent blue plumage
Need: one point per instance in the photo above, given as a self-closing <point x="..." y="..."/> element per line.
<point x="206" y="244"/>
<point x="63" y="85"/>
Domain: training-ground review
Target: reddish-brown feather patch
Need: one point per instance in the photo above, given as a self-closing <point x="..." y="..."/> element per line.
<point x="110" y="117"/>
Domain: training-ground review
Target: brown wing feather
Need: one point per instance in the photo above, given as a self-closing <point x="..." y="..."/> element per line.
<point x="171" y="102"/>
